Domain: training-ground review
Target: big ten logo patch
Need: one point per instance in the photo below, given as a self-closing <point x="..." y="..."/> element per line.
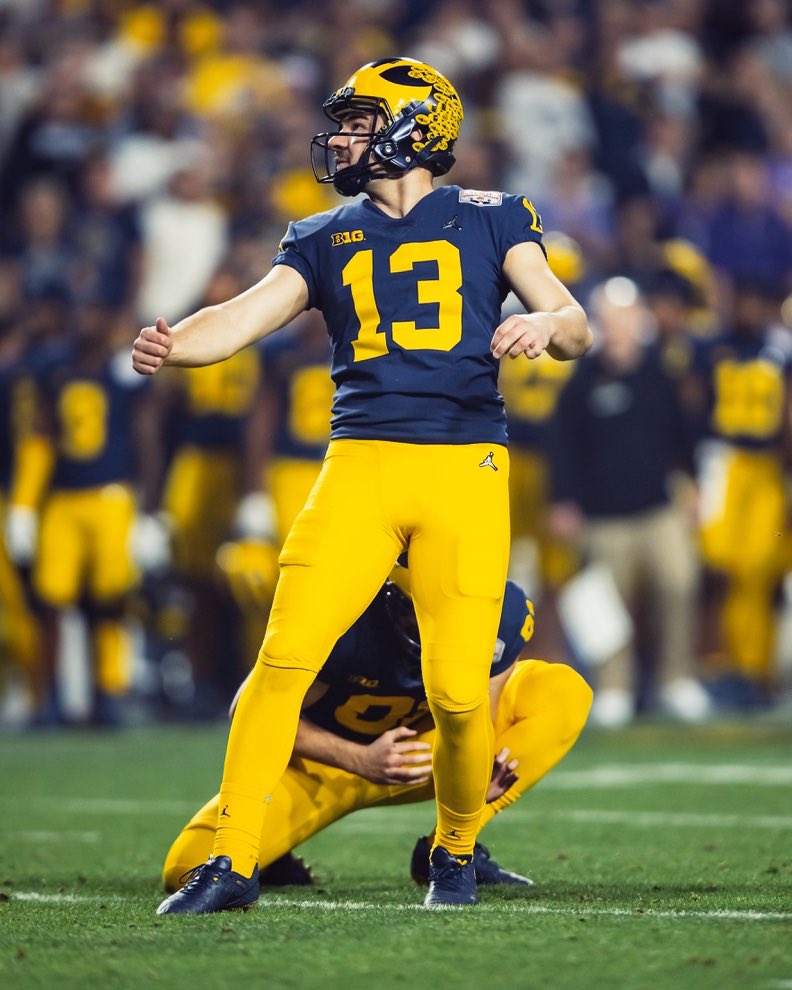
<point x="347" y="237"/>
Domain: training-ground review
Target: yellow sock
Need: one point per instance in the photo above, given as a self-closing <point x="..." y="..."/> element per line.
<point x="260" y="745"/>
<point x="462" y="767"/>
<point x="111" y="652"/>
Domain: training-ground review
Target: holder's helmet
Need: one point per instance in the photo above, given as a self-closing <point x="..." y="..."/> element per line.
<point x="406" y="96"/>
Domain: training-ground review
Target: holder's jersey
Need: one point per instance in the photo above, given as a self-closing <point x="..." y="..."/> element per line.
<point x="217" y="400"/>
<point x="411" y="304"/>
<point x="747" y="381"/>
<point x="299" y="377"/>
<point x="374" y="679"/>
<point x="93" y="416"/>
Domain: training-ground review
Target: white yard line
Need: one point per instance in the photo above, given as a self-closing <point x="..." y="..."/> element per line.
<point x="510" y="907"/>
<point x="632" y="774"/>
<point x="44" y="836"/>
<point x="673" y="819"/>
<point x="595" y="816"/>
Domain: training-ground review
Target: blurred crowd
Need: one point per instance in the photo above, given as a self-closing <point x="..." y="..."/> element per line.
<point x="151" y="156"/>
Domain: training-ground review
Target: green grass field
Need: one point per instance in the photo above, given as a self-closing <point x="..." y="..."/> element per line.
<point x="662" y="858"/>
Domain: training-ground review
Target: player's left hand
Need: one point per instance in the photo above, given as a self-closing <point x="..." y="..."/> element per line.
<point x="522" y="333"/>
<point x="503" y="775"/>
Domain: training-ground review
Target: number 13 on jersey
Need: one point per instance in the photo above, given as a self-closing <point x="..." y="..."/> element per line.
<point x="443" y="291"/>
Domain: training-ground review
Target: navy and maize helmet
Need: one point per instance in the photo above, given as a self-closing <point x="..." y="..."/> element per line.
<point x="408" y="96"/>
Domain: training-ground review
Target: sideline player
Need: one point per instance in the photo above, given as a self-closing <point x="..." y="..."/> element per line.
<point x="363" y="739"/>
<point x="410" y="281"/>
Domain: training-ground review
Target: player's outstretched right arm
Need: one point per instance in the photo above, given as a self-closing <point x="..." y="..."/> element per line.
<point x="216" y="332"/>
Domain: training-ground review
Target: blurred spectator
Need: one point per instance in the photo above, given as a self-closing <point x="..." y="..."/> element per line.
<point x="618" y="438"/>
<point x="105" y="238"/>
<point x="37" y="247"/>
<point x="747" y="237"/>
<point x="185" y="236"/>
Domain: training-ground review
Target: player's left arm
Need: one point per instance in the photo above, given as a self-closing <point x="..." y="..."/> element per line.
<point x="556" y="322"/>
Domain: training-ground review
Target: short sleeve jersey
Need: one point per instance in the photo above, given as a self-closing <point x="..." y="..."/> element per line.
<point x="411" y="305"/>
<point x="299" y="377"/>
<point x="374" y="678"/>
<point x="94" y="416"/>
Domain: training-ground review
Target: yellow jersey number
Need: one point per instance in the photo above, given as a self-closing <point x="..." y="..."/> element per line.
<point x="444" y="291"/>
<point x="224" y="389"/>
<point x="398" y="710"/>
<point x="82" y="411"/>
<point x="311" y="395"/>
<point x="749" y="399"/>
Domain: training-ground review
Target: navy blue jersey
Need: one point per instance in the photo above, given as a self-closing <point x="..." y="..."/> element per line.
<point x="298" y="374"/>
<point x="93" y="415"/>
<point x="411" y="305"/>
<point x="216" y="401"/>
<point x="374" y="677"/>
<point x="747" y="380"/>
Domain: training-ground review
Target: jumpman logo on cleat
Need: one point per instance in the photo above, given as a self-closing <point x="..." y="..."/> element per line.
<point x="488" y="462"/>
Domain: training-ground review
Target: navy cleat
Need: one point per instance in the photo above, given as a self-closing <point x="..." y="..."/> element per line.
<point x="487" y="870"/>
<point x="213" y="886"/>
<point x="452" y="881"/>
<point x="287" y="871"/>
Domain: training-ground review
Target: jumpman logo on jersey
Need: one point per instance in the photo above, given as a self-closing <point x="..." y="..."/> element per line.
<point x="224" y="813"/>
<point x="453" y="224"/>
<point x="488" y="462"/>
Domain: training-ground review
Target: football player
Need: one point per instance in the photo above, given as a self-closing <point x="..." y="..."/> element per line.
<point x="410" y="280"/>
<point x="741" y="381"/>
<point x="87" y="412"/>
<point x="365" y="737"/>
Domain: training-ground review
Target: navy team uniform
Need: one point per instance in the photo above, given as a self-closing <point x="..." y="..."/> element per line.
<point x="417" y="462"/>
<point x="438" y="270"/>
<point x="373" y="677"/>
<point x="373" y="684"/>
<point x="744" y="502"/>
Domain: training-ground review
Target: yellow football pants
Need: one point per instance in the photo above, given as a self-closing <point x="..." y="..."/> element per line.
<point x="373" y="499"/>
<point x="290" y="483"/>
<point x="201" y="495"/>
<point x="84" y="546"/>
<point x="540" y="714"/>
<point x="743" y="524"/>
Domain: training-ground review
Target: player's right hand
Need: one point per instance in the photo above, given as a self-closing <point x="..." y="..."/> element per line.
<point x="152" y="347"/>
<point x="395" y="758"/>
<point x="503" y="775"/>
